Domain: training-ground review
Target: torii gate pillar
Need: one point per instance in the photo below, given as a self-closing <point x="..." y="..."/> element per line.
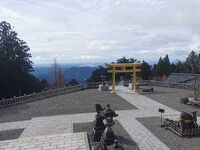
<point x="134" y="80"/>
<point x="113" y="80"/>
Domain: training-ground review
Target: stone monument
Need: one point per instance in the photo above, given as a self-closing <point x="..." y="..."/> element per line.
<point x="103" y="135"/>
<point x="99" y="127"/>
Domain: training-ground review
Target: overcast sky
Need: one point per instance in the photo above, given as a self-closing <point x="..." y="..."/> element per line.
<point x="77" y="31"/>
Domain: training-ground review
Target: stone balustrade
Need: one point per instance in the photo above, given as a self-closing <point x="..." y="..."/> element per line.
<point x="165" y="84"/>
<point x="45" y="94"/>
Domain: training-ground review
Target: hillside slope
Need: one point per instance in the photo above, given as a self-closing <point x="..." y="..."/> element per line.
<point x="78" y="73"/>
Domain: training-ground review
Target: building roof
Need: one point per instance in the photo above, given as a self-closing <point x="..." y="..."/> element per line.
<point x="183" y="78"/>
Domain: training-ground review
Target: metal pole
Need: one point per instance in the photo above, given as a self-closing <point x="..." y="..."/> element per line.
<point x="113" y="80"/>
<point x="56" y="82"/>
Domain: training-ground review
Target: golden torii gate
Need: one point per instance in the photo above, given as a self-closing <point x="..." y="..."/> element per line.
<point x="124" y="69"/>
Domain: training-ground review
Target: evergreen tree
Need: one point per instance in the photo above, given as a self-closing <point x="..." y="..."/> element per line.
<point x="44" y="84"/>
<point x="179" y="67"/>
<point x="160" y="70"/>
<point x="145" y="71"/>
<point x="15" y="64"/>
<point x="73" y="82"/>
<point x="166" y="65"/>
<point x="125" y="76"/>
<point x="122" y="60"/>
<point x="97" y="73"/>
<point x="173" y="68"/>
<point x="154" y="70"/>
<point x="163" y="67"/>
<point x="192" y="63"/>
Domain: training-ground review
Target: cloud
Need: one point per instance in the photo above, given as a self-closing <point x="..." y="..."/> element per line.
<point x="62" y="58"/>
<point x="88" y="57"/>
<point x="6" y="13"/>
<point x="103" y="30"/>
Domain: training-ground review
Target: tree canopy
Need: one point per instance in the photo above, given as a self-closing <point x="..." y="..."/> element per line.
<point x="145" y="71"/>
<point x="102" y="71"/>
<point x="192" y="63"/>
<point x="73" y="82"/>
<point x="15" y="64"/>
<point x="163" y="67"/>
<point x="97" y="73"/>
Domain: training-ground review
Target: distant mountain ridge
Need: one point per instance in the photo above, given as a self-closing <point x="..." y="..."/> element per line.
<point x="78" y="73"/>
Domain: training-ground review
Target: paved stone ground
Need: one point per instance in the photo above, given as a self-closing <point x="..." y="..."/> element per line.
<point x="77" y="102"/>
<point x="171" y="97"/>
<point x="76" y="141"/>
<point x="14" y="125"/>
<point x="143" y="137"/>
<point x="173" y="141"/>
<point x="57" y="124"/>
<point x="120" y="133"/>
<point x="10" y="134"/>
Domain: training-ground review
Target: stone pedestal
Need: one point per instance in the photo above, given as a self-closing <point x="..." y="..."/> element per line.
<point x="103" y="87"/>
<point x="108" y="135"/>
<point x="131" y="87"/>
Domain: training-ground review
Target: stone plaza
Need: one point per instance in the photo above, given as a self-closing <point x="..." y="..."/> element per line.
<point x="49" y="123"/>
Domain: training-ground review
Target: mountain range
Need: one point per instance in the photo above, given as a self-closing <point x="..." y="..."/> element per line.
<point x="70" y="72"/>
<point x="78" y="73"/>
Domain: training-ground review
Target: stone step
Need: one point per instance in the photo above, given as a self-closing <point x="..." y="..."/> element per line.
<point x="69" y="141"/>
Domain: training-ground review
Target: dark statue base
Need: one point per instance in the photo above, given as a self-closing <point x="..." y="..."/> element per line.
<point x="98" y="128"/>
<point x="108" y="137"/>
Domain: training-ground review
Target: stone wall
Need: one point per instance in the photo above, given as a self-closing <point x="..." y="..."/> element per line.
<point x="165" y="84"/>
<point x="45" y="94"/>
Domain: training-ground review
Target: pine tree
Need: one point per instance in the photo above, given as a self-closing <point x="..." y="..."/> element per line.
<point x="160" y="70"/>
<point x="97" y="73"/>
<point x="154" y="70"/>
<point x="145" y="71"/>
<point x="166" y="65"/>
<point x="73" y="82"/>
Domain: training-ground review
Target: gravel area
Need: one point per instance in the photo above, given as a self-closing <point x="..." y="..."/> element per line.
<point x="171" y="97"/>
<point x="77" y="102"/>
<point x="121" y="134"/>
<point x="173" y="141"/>
<point x="10" y="134"/>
